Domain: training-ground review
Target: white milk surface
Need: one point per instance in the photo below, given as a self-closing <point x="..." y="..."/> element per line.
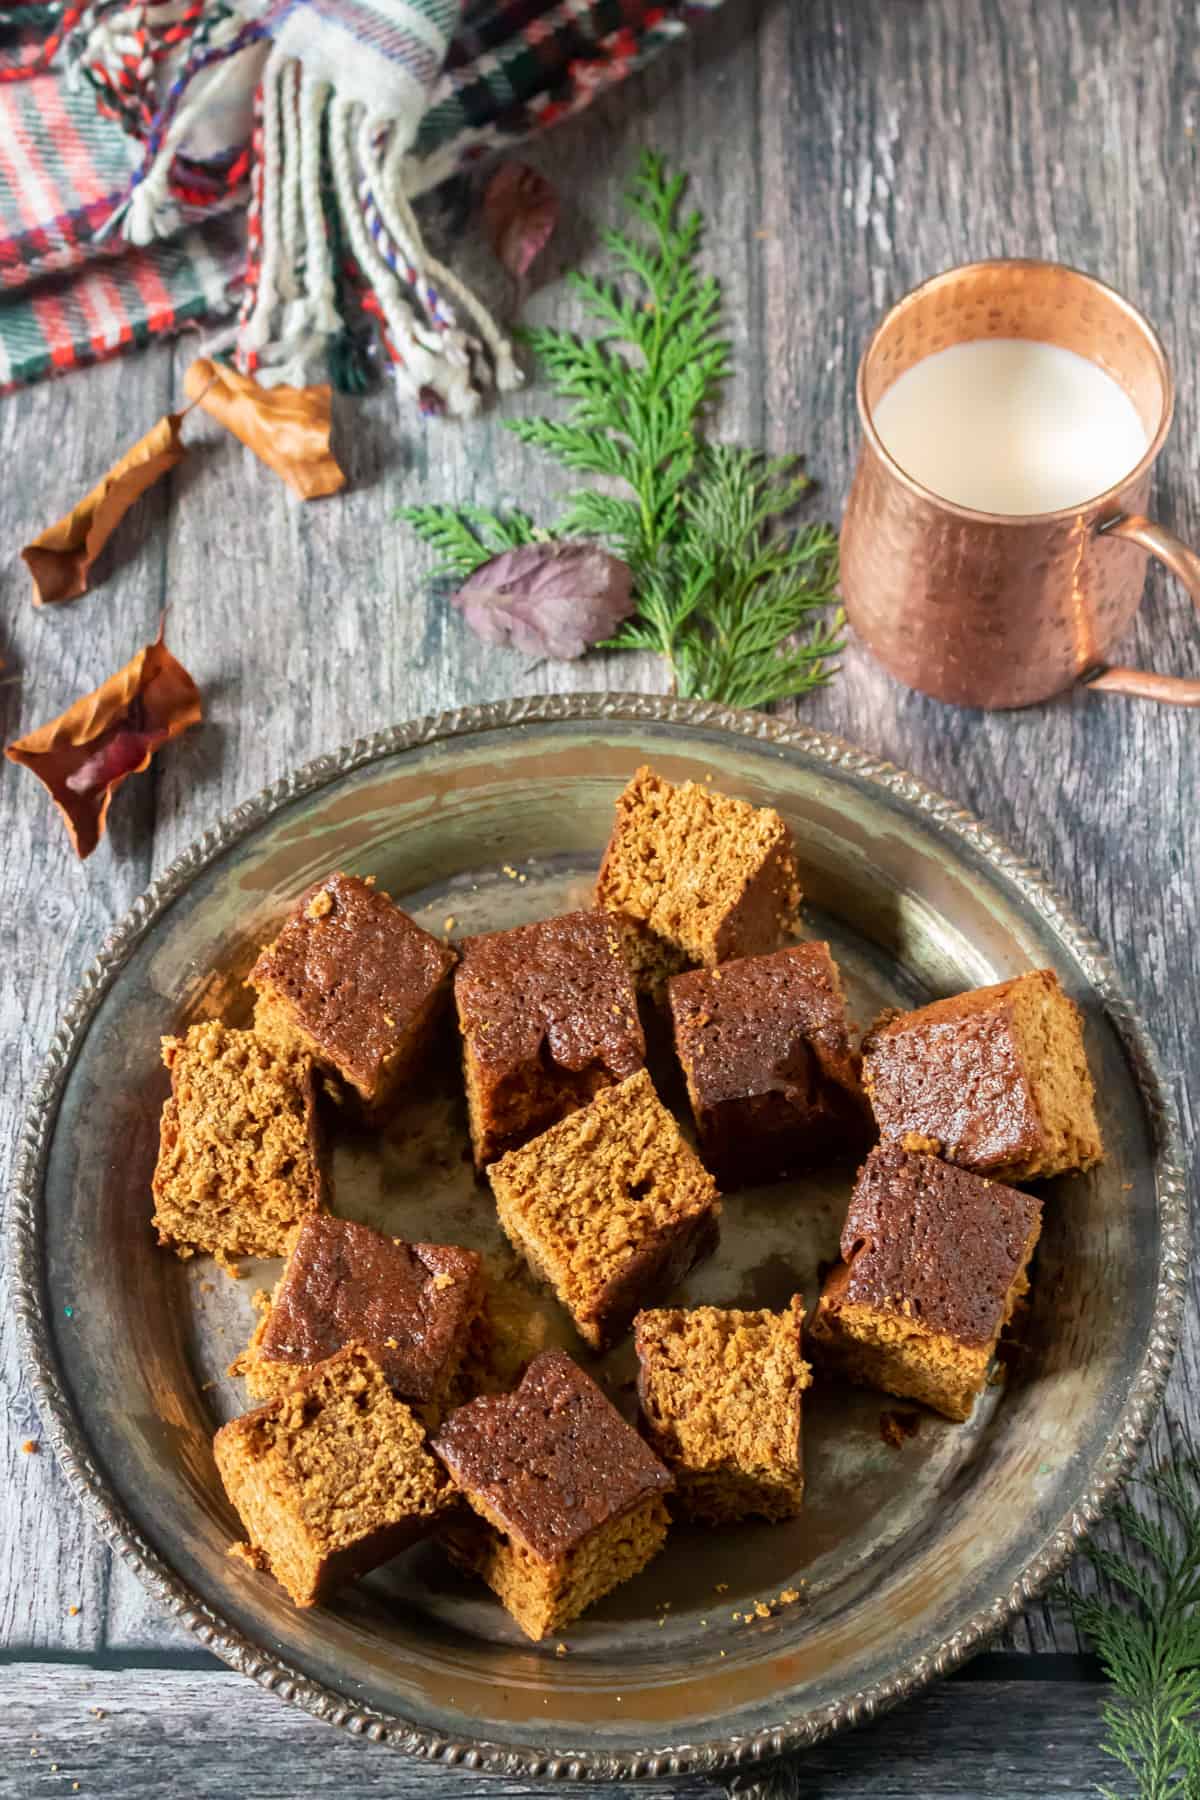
<point x="1009" y="426"/>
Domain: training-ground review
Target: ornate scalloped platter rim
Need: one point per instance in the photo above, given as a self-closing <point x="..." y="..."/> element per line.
<point x="67" y="1431"/>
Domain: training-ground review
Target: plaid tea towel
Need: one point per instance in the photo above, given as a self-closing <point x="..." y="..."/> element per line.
<point x="169" y="160"/>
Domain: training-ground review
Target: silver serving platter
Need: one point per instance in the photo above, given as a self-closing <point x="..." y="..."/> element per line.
<point x="905" y="1558"/>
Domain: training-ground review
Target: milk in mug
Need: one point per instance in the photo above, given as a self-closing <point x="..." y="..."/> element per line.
<point x="1005" y="425"/>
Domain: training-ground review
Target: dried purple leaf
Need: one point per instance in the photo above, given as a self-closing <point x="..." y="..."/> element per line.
<point x="520" y="212"/>
<point x="123" y="753"/>
<point x="548" y="599"/>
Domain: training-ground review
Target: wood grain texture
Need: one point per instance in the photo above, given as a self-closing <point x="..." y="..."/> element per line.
<point x="55" y="441"/>
<point x="841" y="151"/>
<point x="205" y="1735"/>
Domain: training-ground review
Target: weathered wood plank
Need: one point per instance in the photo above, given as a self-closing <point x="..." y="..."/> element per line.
<point x="55" y="441"/>
<point x="167" y="1733"/>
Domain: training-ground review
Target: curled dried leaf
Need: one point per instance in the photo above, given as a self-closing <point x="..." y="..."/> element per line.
<point x="61" y="559"/>
<point x="83" y="757"/>
<point x="286" y="427"/>
<point x="520" y="212"/>
<point x="548" y="599"/>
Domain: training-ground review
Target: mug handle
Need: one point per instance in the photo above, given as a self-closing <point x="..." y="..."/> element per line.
<point x="1173" y="690"/>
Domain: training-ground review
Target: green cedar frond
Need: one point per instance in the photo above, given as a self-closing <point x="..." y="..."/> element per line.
<point x="725" y="590"/>
<point x="467" y="536"/>
<point x="1147" y="1636"/>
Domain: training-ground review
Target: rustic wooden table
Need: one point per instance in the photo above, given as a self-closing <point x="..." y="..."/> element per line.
<point x="841" y="150"/>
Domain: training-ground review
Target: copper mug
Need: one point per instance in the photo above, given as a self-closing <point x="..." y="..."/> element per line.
<point x="991" y="609"/>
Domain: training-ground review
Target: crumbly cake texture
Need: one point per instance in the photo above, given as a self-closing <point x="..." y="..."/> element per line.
<point x="694" y="877"/>
<point x="358" y="983"/>
<point x="419" y="1308"/>
<point x="610" y="1207"/>
<point x="996" y="1080"/>
<point x="934" y="1261"/>
<point x="771" y="1071"/>
<point x="548" y="1016"/>
<point x="720" y="1393"/>
<point x="570" y="1501"/>
<point x="239" y="1163"/>
<point x="330" y="1479"/>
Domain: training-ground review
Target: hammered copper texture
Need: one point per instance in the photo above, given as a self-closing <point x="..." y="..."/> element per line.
<point x="976" y="608"/>
<point x="451" y="811"/>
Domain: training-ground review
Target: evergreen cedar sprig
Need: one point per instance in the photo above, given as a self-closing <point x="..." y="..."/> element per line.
<point x="723" y="589"/>
<point x="1147" y="1635"/>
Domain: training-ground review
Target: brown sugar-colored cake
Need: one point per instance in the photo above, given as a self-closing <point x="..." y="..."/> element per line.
<point x="995" y="1080"/>
<point x="238" y="1161"/>
<point x="720" y="1394"/>
<point x="549" y="1017"/>
<point x="695" y="877"/>
<point x="330" y="1479"/>
<point x="609" y="1206"/>
<point x="419" y="1308"/>
<point x="771" y="1072"/>
<point x="934" y="1262"/>
<point x="570" y="1500"/>
<point x="358" y="983"/>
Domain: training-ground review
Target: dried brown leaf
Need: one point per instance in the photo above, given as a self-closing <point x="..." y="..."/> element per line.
<point x="61" y="559"/>
<point x="520" y="212"/>
<point x="286" y="427"/>
<point x="83" y="757"/>
<point x="548" y="599"/>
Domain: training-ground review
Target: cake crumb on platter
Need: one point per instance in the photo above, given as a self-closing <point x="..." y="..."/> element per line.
<point x="896" y="1427"/>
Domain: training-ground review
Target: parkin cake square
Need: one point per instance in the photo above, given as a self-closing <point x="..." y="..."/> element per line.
<point x="358" y="984"/>
<point x="548" y="1016"/>
<point x="934" y="1262"/>
<point x="419" y="1308"/>
<point x="570" y="1501"/>
<point x="694" y="877"/>
<point x="720" y="1393"/>
<point x="330" y="1479"/>
<point x="772" y="1074"/>
<point x="996" y="1080"/>
<point x="239" y="1160"/>
<point x="610" y="1207"/>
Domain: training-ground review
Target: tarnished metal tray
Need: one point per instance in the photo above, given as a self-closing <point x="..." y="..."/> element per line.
<point x="904" y="1559"/>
